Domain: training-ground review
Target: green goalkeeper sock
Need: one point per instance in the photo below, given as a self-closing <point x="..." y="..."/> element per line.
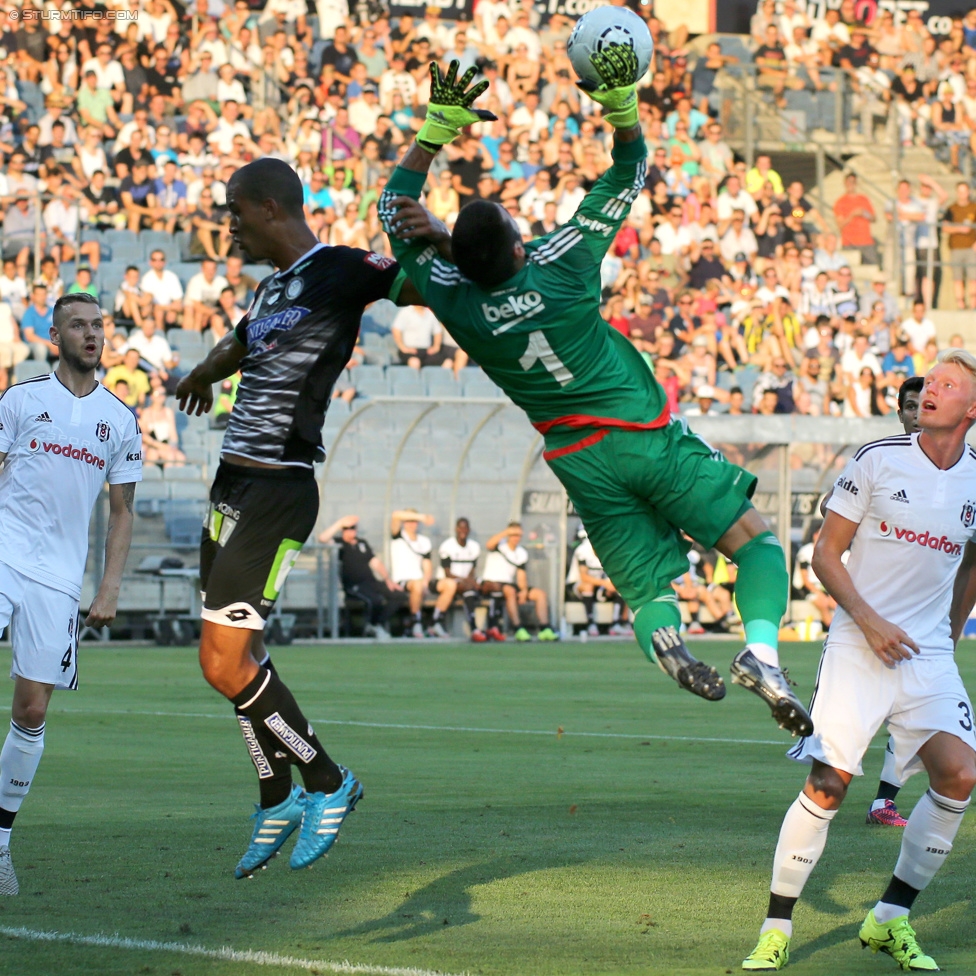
<point x="661" y="612"/>
<point x="761" y="591"/>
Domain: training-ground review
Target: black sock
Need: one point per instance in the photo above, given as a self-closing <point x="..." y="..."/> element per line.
<point x="780" y="906"/>
<point x="900" y="893"/>
<point x="494" y="611"/>
<point x="274" y="772"/>
<point x="887" y="791"/>
<point x="471" y="601"/>
<point x="267" y="702"/>
<point x="267" y="663"/>
<point x="589" y="602"/>
<point x="7" y="818"/>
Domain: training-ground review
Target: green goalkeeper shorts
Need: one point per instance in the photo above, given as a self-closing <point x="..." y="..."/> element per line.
<point x="637" y="491"/>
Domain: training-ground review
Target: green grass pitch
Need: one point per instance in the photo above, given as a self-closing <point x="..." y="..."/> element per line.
<point x="641" y="848"/>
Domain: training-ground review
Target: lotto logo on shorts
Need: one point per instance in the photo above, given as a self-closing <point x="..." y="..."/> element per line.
<point x="75" y="453"/>
<point x="290" y="737"/>
<point x="926" y="539"/>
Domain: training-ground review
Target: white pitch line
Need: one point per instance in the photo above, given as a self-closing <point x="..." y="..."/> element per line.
<point x="224" y="954"/>
<point x="442" y="728"/>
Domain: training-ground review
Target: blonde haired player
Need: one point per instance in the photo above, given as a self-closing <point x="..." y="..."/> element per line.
<point x="904" y="500"/>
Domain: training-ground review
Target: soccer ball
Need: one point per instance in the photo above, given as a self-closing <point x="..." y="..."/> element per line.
<point x="603" y="27"/>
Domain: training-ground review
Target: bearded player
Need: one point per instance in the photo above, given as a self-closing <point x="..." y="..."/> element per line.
<point x="62" y="436"/>
<point x="904" y="502"/>
<point x="530" y="315"/>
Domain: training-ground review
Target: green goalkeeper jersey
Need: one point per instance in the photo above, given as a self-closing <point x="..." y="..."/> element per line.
<point x="540" y="335"/>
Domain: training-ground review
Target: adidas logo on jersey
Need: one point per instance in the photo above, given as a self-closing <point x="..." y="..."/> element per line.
<point x="43" y="418"/>
<point x="900" y="496"/>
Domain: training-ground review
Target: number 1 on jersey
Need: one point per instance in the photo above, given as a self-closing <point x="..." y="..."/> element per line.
<point x="539" y="349"/>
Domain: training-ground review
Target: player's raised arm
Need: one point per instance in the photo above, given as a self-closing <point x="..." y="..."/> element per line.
<point x="195" y="391"/>
<point x="416" y="236"/>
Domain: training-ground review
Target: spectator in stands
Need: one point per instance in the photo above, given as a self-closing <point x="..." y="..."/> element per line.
<point x="132" y="305"/>
<point x="83" y="282"/>
<point x="137" y="382"/>
<point x="166" y="291"/>
<point x="458" y="557"/>
<point x="244" y="285"/>
<point x="160" y="440"/>
<point x="411" y="568"/>
<point x="202" y="296"/>
<point x="919" y="328"/>
<point x="960" y="224"/>
<point x="814" y="384"/>
<point x="855" y="214"/>
<point x="360" y="567"/>
<point x="13" y="289"/>
<point x="36" y="325"/>
<point x="211" y="228"/>
<point x="227" y="314"/>
<point x="12" y="349"/>
<point x="879" y="293"/>
<point x="155" y="353"/>
<point x="780" y="381"/>
<point x="505" y="581"/>
<point x="137" y="193"/>
<point x="418" y="336"/>
<point x="864" y="399"/>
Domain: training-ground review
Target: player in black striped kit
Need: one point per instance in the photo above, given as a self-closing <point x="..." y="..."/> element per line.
<point x="290" y="348"/>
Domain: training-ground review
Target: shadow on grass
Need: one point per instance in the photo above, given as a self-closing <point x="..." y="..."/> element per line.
<point x="444" y="902"/>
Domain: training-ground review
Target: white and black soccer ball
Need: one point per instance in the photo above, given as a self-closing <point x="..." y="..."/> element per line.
<point x="603" y="27"/>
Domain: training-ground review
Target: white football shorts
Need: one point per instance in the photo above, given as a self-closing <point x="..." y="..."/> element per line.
<point x="43" y="630"/>
<point x="856" y="694"/>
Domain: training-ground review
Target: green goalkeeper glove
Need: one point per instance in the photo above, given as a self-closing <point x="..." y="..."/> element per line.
<point x="617" y="66"/>
<point x="449" y="109"/>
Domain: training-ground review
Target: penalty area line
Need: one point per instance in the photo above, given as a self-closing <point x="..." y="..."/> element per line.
<point x="224" y="954"/>
<point x="440" y="728"/>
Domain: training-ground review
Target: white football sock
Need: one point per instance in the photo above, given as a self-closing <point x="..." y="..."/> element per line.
<point x="928" y="838"/>
<point x="884" y="913"/>
<point x="4" y="837"/>
<point x="19" y="759"/>
<point x="767" y="654"/>
<point x="785" y="925"/>
<point x="888" y="769"/>
<point x="801" y="842"/>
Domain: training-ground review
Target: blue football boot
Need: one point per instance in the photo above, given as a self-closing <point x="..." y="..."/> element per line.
<point x="324" y="813"/>
<point x="272" y="828"/>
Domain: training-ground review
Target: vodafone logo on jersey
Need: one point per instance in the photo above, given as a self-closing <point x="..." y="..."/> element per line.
<point x="926" y="539"/>
<point x="74" y="453"/>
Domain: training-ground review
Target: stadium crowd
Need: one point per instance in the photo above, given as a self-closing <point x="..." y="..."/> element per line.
<point x="122" y="131"/>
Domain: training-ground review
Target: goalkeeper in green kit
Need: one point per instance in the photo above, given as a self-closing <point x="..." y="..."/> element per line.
<point x="529" y="315"/>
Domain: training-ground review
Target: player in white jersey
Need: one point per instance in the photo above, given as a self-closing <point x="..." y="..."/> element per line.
<point x="62" y="436"/>
<point x="411" y="568"/>
<point x="505" y="580"/>
<point x="459" y="556"/>
<point x="905" y="502"/>
<point x="587" y="581"/>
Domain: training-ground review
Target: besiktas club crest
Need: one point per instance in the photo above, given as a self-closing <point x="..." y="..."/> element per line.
<point x="102" y="431"/>
<point x="968" y="514"/>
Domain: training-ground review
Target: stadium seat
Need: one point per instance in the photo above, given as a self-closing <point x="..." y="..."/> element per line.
<point x="121" y="238"/>
<point x="151" y="472"/>
<point x="405" y="381"/>
<point x="30" y="368"/>
<point x="370" y="384"/>
<point x="440" y="382"/>
<point x="183" y="472"/>
<point x="481" y="386"/>
<point x="152" y="240"/>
